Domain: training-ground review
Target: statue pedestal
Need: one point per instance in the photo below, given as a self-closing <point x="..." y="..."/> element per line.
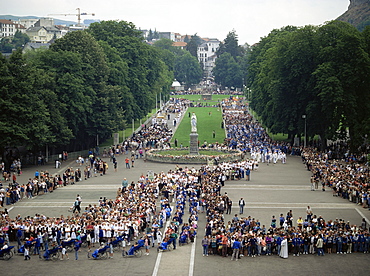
<point x="193" y="148"/>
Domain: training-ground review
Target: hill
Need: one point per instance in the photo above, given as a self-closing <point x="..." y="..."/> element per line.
<point x="358" y="14"/>
<point x="56" y="21"/>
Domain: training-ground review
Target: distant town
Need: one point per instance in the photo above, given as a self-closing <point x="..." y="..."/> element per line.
<point x="42" y="32"/>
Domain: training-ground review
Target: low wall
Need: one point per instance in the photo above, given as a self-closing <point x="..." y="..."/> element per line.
<point x="230" y="156"/>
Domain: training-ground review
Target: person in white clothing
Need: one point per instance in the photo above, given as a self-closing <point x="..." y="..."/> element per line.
<point x="284" y="249"/>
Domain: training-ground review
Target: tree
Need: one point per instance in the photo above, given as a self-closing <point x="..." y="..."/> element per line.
<point x="193" y="44"/>
<point x="7" y="44"/>
<point x="165" y="44"/>
<point x="342" y="82"/>
<point x="94" y="72"/>
<point x="150" y="35"/>
<point x="187" y="69"/>
<point x="322" y="71"/>
<point x="20" y="39"/>
<point x="28" y="117"/>
<point x="227" y="71"/>
<point x="145" y="68"/>
<point x="230" y="45"/>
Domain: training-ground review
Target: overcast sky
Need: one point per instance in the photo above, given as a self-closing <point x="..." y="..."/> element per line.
<point x="251" y="19"/>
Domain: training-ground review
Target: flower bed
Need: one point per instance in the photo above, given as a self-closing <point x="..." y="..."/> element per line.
<point x="156" y="155"/>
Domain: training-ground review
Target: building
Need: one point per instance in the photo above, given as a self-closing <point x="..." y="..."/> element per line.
<point x="168" y="35"/>
<point x="27" y="23"/>
<point x="180" y="44"/>
<point x="145" y="33"/>
<point x="7" y="28"/>
<point x="178" y="37"/>
<point x="44" y="22"/>
<point x="33" y="46"/>
<point x="206" y="53"/>
<point x="43" y="34"/>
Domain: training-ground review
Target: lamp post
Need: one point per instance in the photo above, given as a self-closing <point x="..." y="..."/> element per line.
<point x="305" y="128"/>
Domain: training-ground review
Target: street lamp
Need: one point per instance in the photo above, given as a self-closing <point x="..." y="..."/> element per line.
<point x="305" y="128"/>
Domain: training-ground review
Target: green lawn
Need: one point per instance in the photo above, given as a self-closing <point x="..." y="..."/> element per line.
<point x="186" y="152"/>
<point x="215" y="98"/>
<point x="206" y="124"/>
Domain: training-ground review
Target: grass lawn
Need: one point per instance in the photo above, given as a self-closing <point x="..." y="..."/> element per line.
<point x="186" y="152"/>
<point x="215" y="98"/>
<point x="206" y="124"/>
<point x="279" y="136"/>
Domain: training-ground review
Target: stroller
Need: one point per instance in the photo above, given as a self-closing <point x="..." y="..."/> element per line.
<point x="135" y="250"/>
<point x="101" y="254"/>
<point x="7" y="253"/>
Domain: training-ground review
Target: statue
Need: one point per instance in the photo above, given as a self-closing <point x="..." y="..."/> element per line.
<point x="193" y="123"/>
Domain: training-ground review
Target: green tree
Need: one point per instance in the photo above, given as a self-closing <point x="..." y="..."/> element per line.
<point x="193" y="44"/>
<point x="227" y="71"/>
<point x="231" y="46"/>
<point x="164" y="43"/>
<point x="20" y="39"/>
<point x="145" y="67"/>
<point x="27" y="117"/>
<point x="94" y="72"/>
<point x="187" y="69"/>
<point x="342" y="82"/>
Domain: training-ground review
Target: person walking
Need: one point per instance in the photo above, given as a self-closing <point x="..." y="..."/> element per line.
<point x="26" y="253"/>
<point x="241" y="206"/>
<point x="77" y="205"/>
<point x="132" y="161"/>
<point x="127" y="161"/>
<point x="146" y="245"/>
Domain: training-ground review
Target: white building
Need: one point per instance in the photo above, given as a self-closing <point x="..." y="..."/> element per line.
<point x="7" y="28"/>
<point x="207" y="55"/>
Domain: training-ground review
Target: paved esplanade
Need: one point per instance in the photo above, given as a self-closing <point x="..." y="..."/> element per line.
<point x="273" y="190"/>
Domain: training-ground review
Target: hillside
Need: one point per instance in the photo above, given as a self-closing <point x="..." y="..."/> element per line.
<point x="358" y="14"/>
<point x="56" y="21"/>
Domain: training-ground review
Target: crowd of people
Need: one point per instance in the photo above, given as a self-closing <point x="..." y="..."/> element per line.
<point x="247" y="134"/>
<point x="134" y="213"/>
<point x="349" y="180"/>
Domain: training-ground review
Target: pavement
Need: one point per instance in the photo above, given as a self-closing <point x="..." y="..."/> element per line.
<point x="272" y="190"/>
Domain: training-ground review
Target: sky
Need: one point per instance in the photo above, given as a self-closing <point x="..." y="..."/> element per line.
<point x="251" y="19"/>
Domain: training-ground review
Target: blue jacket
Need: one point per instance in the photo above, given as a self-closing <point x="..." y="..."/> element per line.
<point x="237" y="245"/>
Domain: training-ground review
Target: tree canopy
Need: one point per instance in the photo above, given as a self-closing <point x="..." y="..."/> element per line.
<point x="230" y="67"/>
<point x="88" y="84"/>
<point x="321" y="72"/>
